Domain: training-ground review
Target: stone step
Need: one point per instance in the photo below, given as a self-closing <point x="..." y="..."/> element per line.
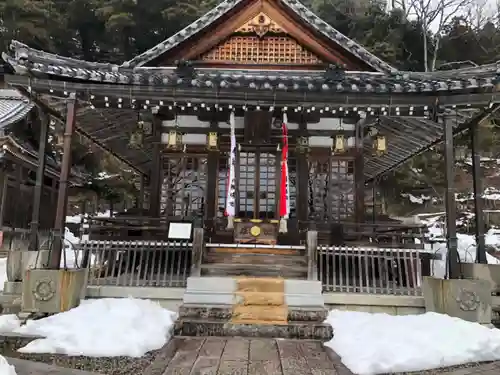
<point x="224" y="312"/>
<point x="254" y="258"/>
<point x="246" y="269"/>
<point x="292" y="330"/>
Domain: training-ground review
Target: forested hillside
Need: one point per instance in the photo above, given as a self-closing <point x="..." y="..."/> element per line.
<point x="410" y="34"/>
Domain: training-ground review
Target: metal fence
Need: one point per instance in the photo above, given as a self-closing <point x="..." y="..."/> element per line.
<point x="372" y="270"/>
<point x="137" y="263"/>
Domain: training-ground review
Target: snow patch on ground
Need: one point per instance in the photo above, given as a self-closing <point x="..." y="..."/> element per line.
<point x="9" y="323"/>
<point x="107" y="327"/>
<point x="371" y="344"/>
<point x="466" y="244"/>
<point x="6" y="368"/>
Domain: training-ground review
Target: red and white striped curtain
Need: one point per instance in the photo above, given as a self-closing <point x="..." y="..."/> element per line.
<point x="284" y="180"/>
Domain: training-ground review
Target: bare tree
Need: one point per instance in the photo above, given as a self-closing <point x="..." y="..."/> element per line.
<point x="480" y="13"/>
<point x="434" y="16"/>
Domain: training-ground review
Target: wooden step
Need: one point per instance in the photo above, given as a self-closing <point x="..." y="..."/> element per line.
<point x="254" y="250"/>
<point x="260" y="299"/>
<point x="253" y="258"/>
<point x="249" y="269"/>
<point x="259" y="314"/>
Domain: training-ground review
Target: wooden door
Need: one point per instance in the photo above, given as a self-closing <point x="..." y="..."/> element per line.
<point x="258" y="176"/>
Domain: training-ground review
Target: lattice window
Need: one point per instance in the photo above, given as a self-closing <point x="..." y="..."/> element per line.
<point x="267" y="185"/>
<point x="331" y="189"/>
<point x="267" y="50"/>
<point x="184" y="186"/>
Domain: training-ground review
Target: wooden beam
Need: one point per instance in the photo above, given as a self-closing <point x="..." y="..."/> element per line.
<point x="44" y="121"/>
<point x="477" y="177"/>
<point x="52" y="112"/>
<point x="451" y="214"/>
<point x="62" y="197"/>
<point x="156" y="171"/>
<point x="211" y="197"/>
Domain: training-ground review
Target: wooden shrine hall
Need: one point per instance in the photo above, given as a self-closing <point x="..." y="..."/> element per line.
<point x="294" y="91"/>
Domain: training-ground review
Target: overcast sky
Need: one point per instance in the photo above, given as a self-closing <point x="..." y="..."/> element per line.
<point x="478" y="9"/>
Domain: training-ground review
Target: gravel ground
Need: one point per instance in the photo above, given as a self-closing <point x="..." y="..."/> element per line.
<point x="444" y="370"/>
<point x="154" y="363"/>
<point x="104" y="365"/>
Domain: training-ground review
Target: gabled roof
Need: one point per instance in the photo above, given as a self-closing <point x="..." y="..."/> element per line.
<point x="294" y="5"/>
<point x="13" y="107"/>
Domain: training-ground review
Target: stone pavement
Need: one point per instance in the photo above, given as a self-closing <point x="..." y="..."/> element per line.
<point x="258" y="356"/>
<point x="24" y="367"/>
<point x="240" y="356"/>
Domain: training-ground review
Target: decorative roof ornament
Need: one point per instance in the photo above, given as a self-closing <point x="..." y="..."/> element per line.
<point x="185" y="69"/>
<point x="335" y="73"/>
<point x="261" y="25"/>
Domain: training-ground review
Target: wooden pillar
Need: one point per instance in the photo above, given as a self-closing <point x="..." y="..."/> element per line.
<point x="140" y="198"/>
<point x="43" y="120"/>
<point x="451" y="214"/>
<point x="16" y="220"/>
<point x="62" y="196"/>
<point x="211" y="198"/>
<point x="478" y="192"/>
<point x="156" y="170"/>
<point x="4" y="178"/>
<point x="374" y="200"/>
<point x="359" y="176"/>
<point x="302" y="178"/>
<point x="53" y="200"/>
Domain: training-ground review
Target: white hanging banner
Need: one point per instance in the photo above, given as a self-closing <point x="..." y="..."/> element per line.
<point x="231" y="178"/>
<point x="285" y="180"/>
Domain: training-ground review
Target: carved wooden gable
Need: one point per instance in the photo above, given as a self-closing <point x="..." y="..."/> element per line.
<point x="261" y="40"/>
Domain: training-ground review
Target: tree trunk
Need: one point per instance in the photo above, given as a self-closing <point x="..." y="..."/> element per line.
<point x="426" y="55"/>
<point x="435" y="53"/>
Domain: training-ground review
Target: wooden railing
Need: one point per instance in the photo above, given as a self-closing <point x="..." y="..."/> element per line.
<point x="138" y="263"/>
<point x="382" y="234"/>
<point x="130" y="228"/>
<point x="373" y="270"/>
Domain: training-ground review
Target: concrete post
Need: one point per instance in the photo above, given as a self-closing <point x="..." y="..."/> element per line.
<point x="197" y="254"/>
<point x="312" y="255"/>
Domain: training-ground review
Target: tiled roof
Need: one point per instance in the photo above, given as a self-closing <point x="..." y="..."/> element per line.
<point x="296" y="6"/>
<point x="13" y="107"/>
<point x="329" y="81"/>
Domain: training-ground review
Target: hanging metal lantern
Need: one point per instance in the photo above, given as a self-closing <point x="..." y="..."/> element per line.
<point x="380" y="145"/>
<point x="461" y="153"/>
<point x="340" y="143"/>
<point x="146" y="127"/>
<point x="59" y="140"/>
<point x="302" y="144"/>
<point x="212" y="144"/>
<point x="136" y="139"/>
<point x="174" y="140"/>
